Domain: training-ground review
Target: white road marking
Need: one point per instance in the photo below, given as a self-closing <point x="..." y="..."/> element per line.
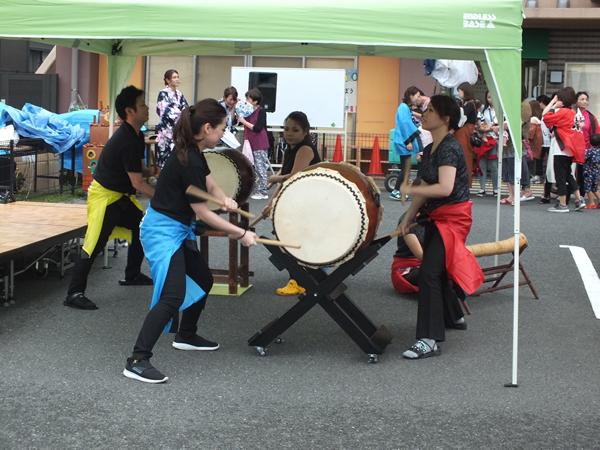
<point x="590" y="278"/>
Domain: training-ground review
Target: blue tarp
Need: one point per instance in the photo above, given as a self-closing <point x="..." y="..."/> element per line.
<point x="59" y="131"/>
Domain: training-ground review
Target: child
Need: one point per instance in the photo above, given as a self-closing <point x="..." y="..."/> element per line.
<point x="591" y="170"/>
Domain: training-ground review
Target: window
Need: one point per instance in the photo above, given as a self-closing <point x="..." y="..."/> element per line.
<point x="585" y="77"/>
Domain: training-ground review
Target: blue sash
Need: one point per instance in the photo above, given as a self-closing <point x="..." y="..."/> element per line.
<point x="161" y="237"/>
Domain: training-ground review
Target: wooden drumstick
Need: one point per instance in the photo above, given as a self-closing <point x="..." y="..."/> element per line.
<point x="407" y="166"/>
<point x="268" y="242"/>
<point x="197" y="192"/>
<point x="258" y="219"/>
<point x="277" y="243"/>
<point x="399" y="231"/>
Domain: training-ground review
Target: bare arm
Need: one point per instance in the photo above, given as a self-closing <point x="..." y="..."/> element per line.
<point x="413" y="243"/>
<point x="214" y="189"/>
<point x="219" y="223"/>
<point x="555" y="103"/>
<point x="140" y="185"/>
<point x="447" y="176"/>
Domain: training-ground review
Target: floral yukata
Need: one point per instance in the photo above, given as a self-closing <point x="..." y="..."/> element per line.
<point x="169" y="106"/>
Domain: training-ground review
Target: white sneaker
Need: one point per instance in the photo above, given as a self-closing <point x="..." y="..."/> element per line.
<point x="259" y="197"/>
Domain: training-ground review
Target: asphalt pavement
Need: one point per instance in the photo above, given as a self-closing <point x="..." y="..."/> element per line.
<point x="61" y="382"/>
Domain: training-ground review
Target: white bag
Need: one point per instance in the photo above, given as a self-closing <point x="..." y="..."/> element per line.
<point x="247" y="151"/>
<point x="8" y="133"/>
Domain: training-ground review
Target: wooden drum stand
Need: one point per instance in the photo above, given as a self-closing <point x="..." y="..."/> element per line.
<point x="239" y="259"/>
<point x="327" y="290"/>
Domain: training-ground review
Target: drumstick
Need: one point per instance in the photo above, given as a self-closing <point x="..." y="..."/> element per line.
<point x="269" y="242"/>
<point x="258" y="219"/>
<point x="399" y="231"/>
<point x="197" y="192"/>
<point x="407" y="167"/>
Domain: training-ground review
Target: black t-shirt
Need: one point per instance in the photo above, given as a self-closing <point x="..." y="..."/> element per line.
<point x="448" y="153"/>
<point x="170" y="198"/>
<point x="403" y="251"/>
<point x="470" y="112"/>
<point x="290" y="156"/>
<point x="122" y="153"/>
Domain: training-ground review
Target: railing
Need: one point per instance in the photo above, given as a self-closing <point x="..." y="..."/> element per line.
<point x="359" y="148"/>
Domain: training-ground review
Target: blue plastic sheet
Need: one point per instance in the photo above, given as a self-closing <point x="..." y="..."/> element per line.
<point x="59" y="131"/>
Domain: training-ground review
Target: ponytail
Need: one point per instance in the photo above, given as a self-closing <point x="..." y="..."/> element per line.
<point x="190" y="125"/>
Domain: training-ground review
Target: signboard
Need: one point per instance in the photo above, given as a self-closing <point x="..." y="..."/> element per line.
<point x="350" y="90"/>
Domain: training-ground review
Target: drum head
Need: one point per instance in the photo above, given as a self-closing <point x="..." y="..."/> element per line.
<point x="324" y="213"/>
<point x="232" y="172"/>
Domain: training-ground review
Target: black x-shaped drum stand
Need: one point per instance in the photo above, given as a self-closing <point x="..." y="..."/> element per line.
<point x="327" y="290"/>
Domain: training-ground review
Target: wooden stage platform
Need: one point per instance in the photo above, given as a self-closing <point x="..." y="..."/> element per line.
<point x="28" y="228"/>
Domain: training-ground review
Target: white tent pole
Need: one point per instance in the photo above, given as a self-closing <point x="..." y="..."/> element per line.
<point x="516" y="265"/>
<point x="517" y="213"/>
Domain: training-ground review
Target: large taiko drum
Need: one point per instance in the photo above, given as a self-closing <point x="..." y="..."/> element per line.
<point x="331" y="210"/>
<point x="232" y="172"/>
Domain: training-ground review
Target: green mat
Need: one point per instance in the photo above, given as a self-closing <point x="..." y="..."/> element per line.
<point x="223" y="289"/>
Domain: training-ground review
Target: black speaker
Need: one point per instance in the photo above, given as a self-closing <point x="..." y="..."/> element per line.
<point x="266" y="82"/>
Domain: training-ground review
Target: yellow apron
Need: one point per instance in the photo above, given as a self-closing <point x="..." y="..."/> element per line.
<point x="98" y="199"/>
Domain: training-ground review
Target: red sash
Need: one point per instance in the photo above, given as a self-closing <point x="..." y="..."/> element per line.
<point x="454" y="223"/>
<point x="400" y="284"/>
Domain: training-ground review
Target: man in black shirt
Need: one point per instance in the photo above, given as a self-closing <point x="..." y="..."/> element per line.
<point x="112" y="207"/>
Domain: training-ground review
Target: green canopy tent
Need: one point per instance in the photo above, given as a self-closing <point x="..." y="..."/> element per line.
<point x="488" y="31"/>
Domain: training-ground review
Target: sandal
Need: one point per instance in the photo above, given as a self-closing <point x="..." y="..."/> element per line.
<point x="423" y="350"/>
<point x="590" y="206"/>
<point x="504" y="201"/>
<point x="544" y="200"/>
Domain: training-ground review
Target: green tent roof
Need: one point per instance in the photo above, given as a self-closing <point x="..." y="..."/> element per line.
<point x="486" y="30"/>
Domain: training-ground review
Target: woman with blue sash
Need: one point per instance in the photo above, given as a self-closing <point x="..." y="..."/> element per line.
<point x="182" y="278"/>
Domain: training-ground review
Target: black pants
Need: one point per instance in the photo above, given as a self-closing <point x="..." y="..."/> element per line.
<point x="186" y="260"/>
<point x="562" y="172"/>
<point x="122" y="213"/>
<point x="539" y="163"/>
<point x="401" y="175"/>
<point x="438" y="302"/>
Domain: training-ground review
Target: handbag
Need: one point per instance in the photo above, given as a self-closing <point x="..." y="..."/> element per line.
<point x="476" y="140"/>
<point x="247" y="151"/>
<point x="526" y="150"/>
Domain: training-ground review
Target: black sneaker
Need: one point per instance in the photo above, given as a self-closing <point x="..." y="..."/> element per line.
<point x="140" y="280"/>
<point x="195" y="343"/>
<point x="79" y="301"/>
<point x="142" y="370"/>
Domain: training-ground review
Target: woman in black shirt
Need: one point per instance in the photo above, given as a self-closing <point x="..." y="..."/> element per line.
<point x="182" y="279"/>
<point x="300" y="154"/>
<point x="444" y="194"/>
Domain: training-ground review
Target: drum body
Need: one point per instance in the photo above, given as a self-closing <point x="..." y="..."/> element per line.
<point x="232" y="172"/>
<point x="331" y="210"/>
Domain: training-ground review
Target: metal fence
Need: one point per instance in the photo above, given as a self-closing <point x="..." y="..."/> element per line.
<point x="359" y="148"/>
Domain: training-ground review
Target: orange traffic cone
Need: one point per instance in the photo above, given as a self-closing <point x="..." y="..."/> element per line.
<point x="337" y="155"/>
<point x="375" y="167"/>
